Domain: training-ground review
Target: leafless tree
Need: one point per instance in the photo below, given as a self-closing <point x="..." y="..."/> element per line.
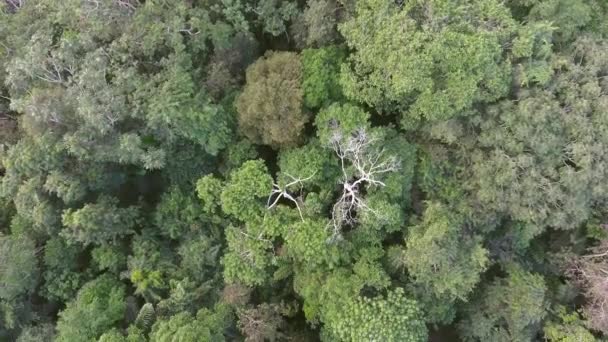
<point x="363" y="165"/>
<point x="236" y="294"/>
<point x="590" y="272"/>
<point x="262" y="323"/>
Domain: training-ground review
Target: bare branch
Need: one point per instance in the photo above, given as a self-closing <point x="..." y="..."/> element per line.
<point x="362" y="166"/>
<point x="590" y="272"/>
<point x="190" y="32"/>
<point x="14" y="5"/>
<point x="128" y="4"/>
<point x="283" y="192"/>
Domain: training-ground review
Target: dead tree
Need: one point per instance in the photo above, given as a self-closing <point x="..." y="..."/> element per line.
<point x="590" y="272"/>
<point x="363" y="165"/>
<point x="261" y="323"/>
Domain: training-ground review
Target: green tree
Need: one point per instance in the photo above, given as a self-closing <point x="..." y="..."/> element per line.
<point x="537" y="158"/>
<point x="109" y="257"/>
<point x="394" y="318"/>
<point x="178" y="214"/>
<point x="208" y="189"/>
<point x="241" y="197"/>
<point x="36" y="209"/>
<point x="568" y="327"/>
<point x="114" y="335"/>
<point x="346" y="117"/>
<point x="571" y="18"/>
<point x="150" y="265"/>
<point x="67" y="187"/>
<point x="408" y="58"/>
<point x="18" y="267"/>
<point x="99" y="222"/>
<point x="440" y="257"/>
<point x="321" y="19"/>
<point x="37" y="333"/>
<point x="248" y="259"/>
<point x="98" y="306"/>
<point x="508" y="309"/>
<point x="274" y="14"/>
<point x="321" y="68"/>
<point x="208" y="325"/>
<point x="178" y="104"/>
<point x="199" y="258"/>
<point x="62" y="276"/>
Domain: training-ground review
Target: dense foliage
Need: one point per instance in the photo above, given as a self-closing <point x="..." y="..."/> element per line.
<point x="320" y="170"/>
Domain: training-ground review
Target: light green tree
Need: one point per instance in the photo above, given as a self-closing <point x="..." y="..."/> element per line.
<point x="393" y="318"/>
<point x="567" y="327"/>
<point x="409" y="58"/>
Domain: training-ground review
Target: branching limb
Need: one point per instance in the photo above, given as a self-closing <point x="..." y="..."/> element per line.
<point x="14" y="5"/>
<point x="362" y="166"/>
<point x="279" y="192"/>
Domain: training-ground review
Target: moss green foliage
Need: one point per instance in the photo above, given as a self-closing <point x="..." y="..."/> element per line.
<point x="319" y="170"/>
<point x="270" y="106"/>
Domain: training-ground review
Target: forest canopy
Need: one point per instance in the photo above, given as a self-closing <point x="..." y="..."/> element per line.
<point x="315" y="170"/>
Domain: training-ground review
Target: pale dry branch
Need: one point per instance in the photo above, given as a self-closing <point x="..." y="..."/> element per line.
<point x="363" y="165"/>
<point x="283" y="192"/>
<point x="14" y="5"/>
<point x="590" y="272"/>
<point x="127" y="4"/>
